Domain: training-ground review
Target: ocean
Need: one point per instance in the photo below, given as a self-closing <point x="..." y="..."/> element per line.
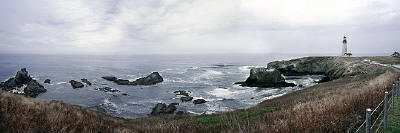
<point x="210" y="77"/>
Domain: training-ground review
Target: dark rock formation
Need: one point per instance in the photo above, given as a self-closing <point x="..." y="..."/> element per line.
<point x="123" y="82"/>
<point x="263" y="77"/>
<point x="175" y="104"/>
<point x="151" y="79"/>
<point x="186" y="98"/>
<point x="22" y="77"/>
<point x="33" y="89"/>
<point x="76" y="84"/>
<point x="47" y="81"/>
<point x="181" y="92"/>
<point x="108" y="89"/>
<point x="331" y="67"/>
<point x="395" y="54"/>
<point x="109" y="78"/>
<point x="162" y="108"/>
<point x="180" y="113"/>
<point x="10" y="84"/>
<point x="302" y="66"/>
<point x="86" y="81"/>
<point x="199" y="101"/>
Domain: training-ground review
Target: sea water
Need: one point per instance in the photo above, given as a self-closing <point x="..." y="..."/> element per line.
<point x="210" y="77"/>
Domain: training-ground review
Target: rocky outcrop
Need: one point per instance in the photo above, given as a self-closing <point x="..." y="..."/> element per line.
<point x="33" y="89"/>
<point x="108" y="89"/>
<point x="22" y="78"/>
<point x="182" y="92"/>
<point x="86" y="81"/>
<point x="151" y="79"/>
<point x="162" y="108"/>
<point x="109" y="78"/>
<point x="264" y="77"/>
<point x="186" y="98"/>
<point x="199" y="101"/>
<point x="327" y="66"/>
<point x="76" y="84"/>
<point x="302" y="66"/>
<point x="47" y="81"/>
<point x="332" y="67"/>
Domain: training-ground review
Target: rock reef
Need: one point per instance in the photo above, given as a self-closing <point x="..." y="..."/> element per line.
<point x="162" y="108"/>
<point x="23" y="80"/>
<point x="151" y="79"/>
<point x="332" y="67"/>
<point x="264" y="77"/>
<point x="76" y="84"/>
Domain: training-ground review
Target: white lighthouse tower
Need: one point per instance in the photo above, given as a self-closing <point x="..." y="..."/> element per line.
<point x="344" y="48"/>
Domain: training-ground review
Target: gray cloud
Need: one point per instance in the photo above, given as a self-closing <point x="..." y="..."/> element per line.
<point x="198" y="26"/>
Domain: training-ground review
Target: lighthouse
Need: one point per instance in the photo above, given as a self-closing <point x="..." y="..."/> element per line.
<point x="344" y="48"/>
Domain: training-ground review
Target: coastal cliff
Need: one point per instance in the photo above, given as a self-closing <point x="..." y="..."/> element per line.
<point x="334" y="106"/>
<point x="331" y="67"/>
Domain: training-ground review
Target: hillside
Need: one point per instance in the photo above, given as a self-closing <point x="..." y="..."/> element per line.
<point x="337" y="105"/>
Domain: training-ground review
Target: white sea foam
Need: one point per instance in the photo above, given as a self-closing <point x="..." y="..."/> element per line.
<point x="191" y="112"/>
<point x="61" y="83"/>
<point x="18" y="90"/>
<point x="209" y="74"/>
<point x="245" y="68"/>
<point x="221" y="92"/>
<point x="111" y="106"/>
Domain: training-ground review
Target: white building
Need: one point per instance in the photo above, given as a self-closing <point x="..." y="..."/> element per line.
<point x="344" y="48"/>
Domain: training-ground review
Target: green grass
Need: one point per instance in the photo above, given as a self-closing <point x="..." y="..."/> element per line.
<point x="214" y="119"/>
<point x="252" y="114"/>
<point x="394" y="119"/>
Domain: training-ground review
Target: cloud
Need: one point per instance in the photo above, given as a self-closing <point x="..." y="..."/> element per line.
<point x="197" y="26"/>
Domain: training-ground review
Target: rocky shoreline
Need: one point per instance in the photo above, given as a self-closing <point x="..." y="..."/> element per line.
<point x="24" y="84"/>
<point x="349" y="78"/>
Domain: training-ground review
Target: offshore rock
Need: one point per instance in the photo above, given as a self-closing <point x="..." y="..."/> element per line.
<point x="22" y="77"/>
<point x="182" y="92"/>
<point x="264" y="77"/>
<point x="162" y="108"/>
<point x="199" y="101"/>
<point x="186" y="98"/>
<point x="108" y="89"/>
<point x="47" y="81"/>
<point x="151" y="79"/>
<point x="86" y="81"/>
<point x="76" y="84"/>
<point x="33" y="89"/>
<point x="109" y="78"/>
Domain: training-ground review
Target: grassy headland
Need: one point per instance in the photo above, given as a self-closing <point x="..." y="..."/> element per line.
<point x="334" y="106"/>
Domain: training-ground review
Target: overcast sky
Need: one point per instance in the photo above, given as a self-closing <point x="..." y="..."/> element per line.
<point x="198" y="26"/>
